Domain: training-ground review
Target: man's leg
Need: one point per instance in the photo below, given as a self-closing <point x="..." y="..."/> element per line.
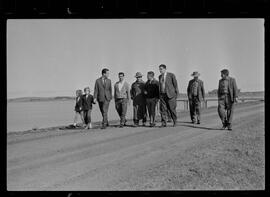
<point x="148" y="105"/>
<point x="191" y="110"/>
<point x="198" y="110"/>
<point x="123" y="111"/>
<point x="230" y="110"/>
<point x="105" y="111"/>
<point x="82" y="117"/>
<point x="135" y="114"/>
<point x="222" y="112"/>
<point x="171" y="104"/>
<point x="163" y="109"/>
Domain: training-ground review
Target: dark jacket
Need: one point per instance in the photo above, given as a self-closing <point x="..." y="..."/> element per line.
<point x="152" y="90"/>
<point x="233" y="91"/>
<point x="87" y="103"/>
<point x="201" y="92"/>
<point x="136" y="93"/>
<point x="103" y="92"/>
<point x="171" y="87"/>
<point x="79" y="105"/>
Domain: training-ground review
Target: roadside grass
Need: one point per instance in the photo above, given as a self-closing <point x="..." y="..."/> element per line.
<point x="233" y="161"/>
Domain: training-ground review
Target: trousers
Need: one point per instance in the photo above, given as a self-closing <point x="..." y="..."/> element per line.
<point x="121" y="108"/>
<point x="225" y="109"/>
<point x="167" y="105"/>
<point x="195" y="108"/>
<point x="104" y="106"/>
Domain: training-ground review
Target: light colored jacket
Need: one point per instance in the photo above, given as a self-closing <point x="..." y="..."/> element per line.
<point x="123" y="93"/>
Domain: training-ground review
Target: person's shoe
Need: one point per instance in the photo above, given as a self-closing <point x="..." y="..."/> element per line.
<point x="107" y="125"/>
<point x="136" y="125"/>
<point x="103" y="127"/>
<point x="229" y="127"/>
<point x="144" y="124"/>
<point x="198" y="122"/>
<point x="163" y="125"/>
<point x="192" y="121"/>
<point x="87" y="127"/>
<point x="224" y="126"/>
<point x="90" y="126"/>
<point x="121" y="126"/>
<point x="174" y="124"/>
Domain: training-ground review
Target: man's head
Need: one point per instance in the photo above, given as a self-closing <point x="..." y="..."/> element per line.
<point x="195" y="75"/>
<point x="105" y="72"/>
<point x="87" y="90"/>
<point x="121" y="76"/>
<point x="138" y="76"/>
<point x="150" y="75"/>
<point x="224" y="73"/>
<point x="162" y="68"/>
<point x="78" y="93"/>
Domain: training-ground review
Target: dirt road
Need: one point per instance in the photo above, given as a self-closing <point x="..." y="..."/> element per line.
<point x="118" y="158"/>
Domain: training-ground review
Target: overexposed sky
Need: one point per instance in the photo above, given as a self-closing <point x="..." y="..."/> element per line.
<point x="54" y="57"/>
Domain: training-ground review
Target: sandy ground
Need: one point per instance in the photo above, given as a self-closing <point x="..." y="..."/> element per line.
<point x="175" y="158"/>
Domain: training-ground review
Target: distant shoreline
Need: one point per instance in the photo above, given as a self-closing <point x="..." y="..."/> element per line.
<point x="68" y="98"/>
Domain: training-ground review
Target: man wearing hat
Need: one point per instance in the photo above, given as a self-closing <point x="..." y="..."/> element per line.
<point x="195" y="92"/>
<point x="139" y="103"/>
<point x="227" y="96"/>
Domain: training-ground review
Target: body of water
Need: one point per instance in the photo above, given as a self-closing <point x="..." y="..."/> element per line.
<point x="22" y="116"/>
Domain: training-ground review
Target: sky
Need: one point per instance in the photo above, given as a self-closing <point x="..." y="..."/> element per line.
<point x="54" y="57"/>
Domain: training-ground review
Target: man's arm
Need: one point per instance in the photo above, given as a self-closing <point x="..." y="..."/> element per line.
<point x="96" y="90"/>
<point x="110" y="89"/>
<point x="188" y="90"/>
<point x="202" y="88"/>
<point x="128" y="93"/>
<point x="235" y="90"/>
<point x="174" y="81"/>
<point x="218" y="91"/>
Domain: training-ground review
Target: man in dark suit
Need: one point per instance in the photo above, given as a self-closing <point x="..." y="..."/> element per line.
<point x="195" y="92"/>
<point x="168" y="94"/>
<point x="103" y="94"/>
<point x="151" y="92"/>
<point x="227" y="96"/>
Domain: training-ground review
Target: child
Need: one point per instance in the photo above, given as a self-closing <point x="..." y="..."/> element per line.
<point x="88" y="100"/>
<point x="78" y="107"/>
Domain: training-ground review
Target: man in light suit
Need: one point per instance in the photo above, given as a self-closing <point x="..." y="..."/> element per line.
<point x="227" y="96"/>
<point x="168" y="94"/>
<point x="103" y="94"/>
<point x="195" y="92"/>
<point x="122" y="98"/>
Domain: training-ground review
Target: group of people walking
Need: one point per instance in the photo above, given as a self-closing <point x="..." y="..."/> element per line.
<point x="146" y="95"/>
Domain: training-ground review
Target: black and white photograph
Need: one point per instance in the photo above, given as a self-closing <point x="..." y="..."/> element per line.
<point x="135" y="104"/>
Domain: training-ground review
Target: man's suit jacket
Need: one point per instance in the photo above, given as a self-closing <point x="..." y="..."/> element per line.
<point x="171" y="87"/>
<point x="233" y="91"/>
<point x="201" y="92"/>
<point x="87" y="102"/>
<point x="103" y="92"/>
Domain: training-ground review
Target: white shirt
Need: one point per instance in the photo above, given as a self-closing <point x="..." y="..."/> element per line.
<point x="120" y="85"/>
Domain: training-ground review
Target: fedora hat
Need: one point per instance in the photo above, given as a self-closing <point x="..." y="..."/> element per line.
<point x="195" y="74"/>
<point x="138" y="74"/>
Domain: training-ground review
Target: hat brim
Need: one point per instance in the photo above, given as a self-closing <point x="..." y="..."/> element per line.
<point x="138" y="76"/>
<point x="195" y="75"/>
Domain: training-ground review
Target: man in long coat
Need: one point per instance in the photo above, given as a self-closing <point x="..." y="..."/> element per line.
<point x="139" y="103"/>
<point x="195" y="92"/>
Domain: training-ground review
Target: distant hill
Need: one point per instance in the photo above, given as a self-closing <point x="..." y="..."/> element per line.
<point x="64" y="98"/>
<point x="33" y="99"/>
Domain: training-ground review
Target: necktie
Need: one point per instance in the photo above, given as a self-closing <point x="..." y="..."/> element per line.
<point x="163" y="83"/>
<point x="104" y="81"/>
